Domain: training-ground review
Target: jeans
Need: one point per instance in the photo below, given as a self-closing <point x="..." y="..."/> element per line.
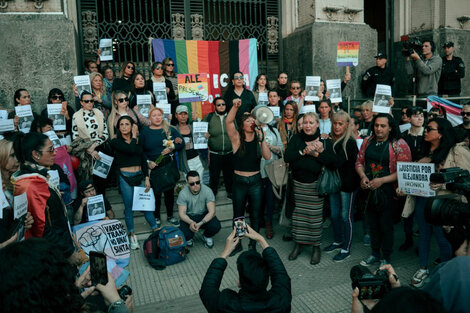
<point x="268" y="194"/>
<point x="251" y="189"/>
<point x="342" y="205"/>
<point x="127" y="193"/>
<point x="219" y="163"/>
<point x="211" y="228"/>
<point x="425" y="232"/>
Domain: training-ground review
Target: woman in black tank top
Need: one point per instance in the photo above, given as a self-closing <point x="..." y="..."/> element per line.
<point x="248" y="146"/>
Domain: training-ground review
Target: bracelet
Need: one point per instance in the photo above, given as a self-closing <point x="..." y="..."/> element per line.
<point x="115" y="304"/>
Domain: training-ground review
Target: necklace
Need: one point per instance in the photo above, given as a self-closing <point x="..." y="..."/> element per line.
<point x="379" y="143"/>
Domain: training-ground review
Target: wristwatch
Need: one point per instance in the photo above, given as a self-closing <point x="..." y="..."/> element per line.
<point x="116" y="304"/>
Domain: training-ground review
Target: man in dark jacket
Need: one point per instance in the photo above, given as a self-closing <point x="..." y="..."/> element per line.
<point x="453" y="70"/>
<point x="254" y="271"/>
<point x="379" y="74"/>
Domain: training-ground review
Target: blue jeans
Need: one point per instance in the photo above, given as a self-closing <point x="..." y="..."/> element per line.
<point x="247" y="189"/>
<point x="425" y="232"/>
<point x="127" y="193"/>
<point x="211" y="228"/>
<point x="342" y="204"/>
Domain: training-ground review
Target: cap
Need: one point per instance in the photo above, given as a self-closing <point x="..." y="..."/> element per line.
<point x="381" y="55"/>
<point x="83" y="185"/>
<point x="448" y="44"/>
<point x="181" y="108"/>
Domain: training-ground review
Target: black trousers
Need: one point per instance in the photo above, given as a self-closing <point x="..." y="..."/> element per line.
<point x="219" y="163"/>
<point x="381" y="230"/>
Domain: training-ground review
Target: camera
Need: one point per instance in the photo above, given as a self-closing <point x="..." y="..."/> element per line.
<point x="410" y="45"/>
<point x="124" y="292"/>
<point x="370" y="286"/>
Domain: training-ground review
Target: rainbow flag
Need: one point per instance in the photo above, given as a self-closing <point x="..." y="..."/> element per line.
<point x="217" y="58"/>
<point x="347" y="53"/>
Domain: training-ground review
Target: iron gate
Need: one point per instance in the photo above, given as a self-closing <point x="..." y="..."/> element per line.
<point x="130" y="23"/>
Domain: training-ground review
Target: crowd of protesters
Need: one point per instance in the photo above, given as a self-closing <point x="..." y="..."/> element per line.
<point x="363" y="147"/>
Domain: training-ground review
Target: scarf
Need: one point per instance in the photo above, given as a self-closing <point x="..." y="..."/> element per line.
<point x="288" y="120"/>
<point x="308" y="138"/>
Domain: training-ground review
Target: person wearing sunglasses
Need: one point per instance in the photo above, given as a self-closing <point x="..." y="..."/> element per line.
<point x="158" y="77"/>
<point x="121" y="108"/>
<point x="236" y="91"/>
<point x="196" y="207"/>
<point x="127" y="72"/>
<point x="36" y="155"/>
<point x="89" y="134"/>
<point x="295" y="94"/>
<point x="465" y="126"/>
<point x="169" y="71"/>
<point x="57" y="96"/>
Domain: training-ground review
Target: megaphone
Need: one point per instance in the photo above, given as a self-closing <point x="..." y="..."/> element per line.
<point x="263" y="114"/>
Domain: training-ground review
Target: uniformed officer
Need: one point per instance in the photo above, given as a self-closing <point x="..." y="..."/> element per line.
<point x="379" y="74"/>
<point x="453" y="69"/>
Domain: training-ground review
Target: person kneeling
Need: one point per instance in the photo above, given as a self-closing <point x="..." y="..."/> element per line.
<point x="196" y="207"/>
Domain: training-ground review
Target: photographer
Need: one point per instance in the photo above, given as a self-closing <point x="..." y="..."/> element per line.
<point x="427" y="69"/>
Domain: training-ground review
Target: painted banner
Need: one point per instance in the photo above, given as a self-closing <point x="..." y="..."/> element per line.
<point x="217" y="58"/>
<point x="193" y="87"/>
<point x="413" y="178"/>
<point x="348" y="53"/>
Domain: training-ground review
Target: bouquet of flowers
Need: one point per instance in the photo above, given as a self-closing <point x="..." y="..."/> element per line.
<point x="167" y="143"/>
<point x="376" y="171"/>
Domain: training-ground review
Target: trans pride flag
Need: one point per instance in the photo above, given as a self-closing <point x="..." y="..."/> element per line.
<point x="452" y="109"/>
<point x="217" y="58"/>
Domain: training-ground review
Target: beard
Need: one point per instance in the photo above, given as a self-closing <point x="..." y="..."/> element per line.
<point x="221" y="112"/>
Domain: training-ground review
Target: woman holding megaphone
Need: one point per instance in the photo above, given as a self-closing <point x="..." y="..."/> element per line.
<point x="249" y="145"/>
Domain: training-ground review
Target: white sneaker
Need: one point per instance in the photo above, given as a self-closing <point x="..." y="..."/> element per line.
<point x="134" y="242"/>
<point x="189" y="243"/>
<point x="419" y="277"/>
<point x="209" y="242"/>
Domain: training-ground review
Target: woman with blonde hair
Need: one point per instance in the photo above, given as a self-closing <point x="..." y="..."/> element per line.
<point x="342" y="203"/>
<point x="121" y="108"/>
<point x="159" y="141"/>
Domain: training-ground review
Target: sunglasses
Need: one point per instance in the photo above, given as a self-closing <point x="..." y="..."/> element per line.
<point x="50" y="150"/>
<point x="465" y="113"/>
<point x="57" y="98"/>
<point x="121" y="100"/>
<point x="159" y="68"/>
<point x="130" y="67"/>
<point x="294" y="87"/>
<point x="237" y="77"/>
<point x="195" y="183"/>
<point x="429" y="129"/>
<point x="170" y="64"/>
<point x="87" y="101"/>
<point x="403" y="113"/>
<point x="219" y="104"/>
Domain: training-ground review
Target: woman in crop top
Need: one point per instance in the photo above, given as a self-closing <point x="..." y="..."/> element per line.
<point x="247" y="152"/>
<point x="133" y="171"/>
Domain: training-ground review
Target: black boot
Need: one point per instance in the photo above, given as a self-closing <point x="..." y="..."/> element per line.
<point x="295" y="253"/>
<point x="316" y="255"/>
<point x="407" y="244"/>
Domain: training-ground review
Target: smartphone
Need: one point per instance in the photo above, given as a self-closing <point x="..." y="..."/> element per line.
<point x="240" y="226"/>
<point x="98" y="268"/>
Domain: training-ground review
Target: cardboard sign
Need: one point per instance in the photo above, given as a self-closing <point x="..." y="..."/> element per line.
<point x="413" y="178"/>
<point x="347" y="53"/>
<point x="193" y="87"/>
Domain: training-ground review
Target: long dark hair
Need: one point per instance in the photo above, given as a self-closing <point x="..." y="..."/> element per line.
<point x="55" y="91"/>
<point x="256" y="82"/>
<point x="26" y="144"/>
<point x="17" y="95"/>
<point x="445" y="129"/>
<point x="125" y="117"/>
<point x="241" y="132"/>
<point x="394" y="132"/>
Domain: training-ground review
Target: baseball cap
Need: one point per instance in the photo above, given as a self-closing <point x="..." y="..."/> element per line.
<point x="448" y="44"/>
<point x="181" y="108"/>
<point x="381" y="55"/>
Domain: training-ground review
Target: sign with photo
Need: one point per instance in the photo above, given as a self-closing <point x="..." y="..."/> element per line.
<point x="312" y="88"/>
<point x="82" y="82"/>
<point x="159" y="91"/>
<point x="25" y="114"/>
<point x="143" y="104"/>
<point x="95" y="208"/>
<point x="383" y="93"/>
<point x="106" y="47"/>
<point x="334" y="87"/>
<point x="263" y="98"/>
<point x="103" y="165"/>
<point x="53" y="138"/>
<point x="199" y="135"/>
<point x="58" y="120"/>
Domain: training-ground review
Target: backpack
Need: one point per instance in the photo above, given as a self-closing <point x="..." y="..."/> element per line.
<point x="152" y="251"/>
<point x="171" y="242"/>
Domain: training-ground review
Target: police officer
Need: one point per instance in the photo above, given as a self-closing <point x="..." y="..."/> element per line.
<point x="453" y="69"/>
<point x="379" y="74"/>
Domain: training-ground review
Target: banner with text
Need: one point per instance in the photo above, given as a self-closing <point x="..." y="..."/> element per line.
<point x="413" y="178"/>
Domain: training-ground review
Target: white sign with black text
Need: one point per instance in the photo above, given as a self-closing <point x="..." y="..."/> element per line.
<point x="414" y="178"/>
<point x="143" y="201"/>
<point x="95" y="208"/>
<point x="20" y="206"/>
<point x="25" y="114"/>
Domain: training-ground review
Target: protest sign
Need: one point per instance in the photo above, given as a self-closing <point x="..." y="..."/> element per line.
<point x="199" y="135"/>
<point x="66" y="141"/>
<point x="193" y="87"/>
<point x="263" y="98"/>
<point x="53" y="138"/>
<point x="54" y="177"/>
<point x="166" y="107"/>
<point x="95" y="208"/>
<point x="20" y="206"/>
<point x="106" y="47"/>
<point x="53" y="112"/>
<point x="143" y="104"/>
<point x="312" y="87"/>
<point x="7" y="125"/>
<point x="103" y="165"/>
<point x="3" y="199"/>
<point x="159" y="91"/>
<point x="276" y="111"/>
<point x="3" y="115"/>
<point x="82" y="82"/>
<point x="334" y="87"/>
<point x="143" y="201"/>
<point x="25" y="114"/>
<point x="347" y="53"/>
<point x="404" y="127"/>
<point x="413" y="178"/>
<point x="307" y="108"/>
<point x="383" y="93"/>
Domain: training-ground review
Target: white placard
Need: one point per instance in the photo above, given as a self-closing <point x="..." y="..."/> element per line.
<point x="106" y="47"/>
<point x="263" y="98"/>
<point x="102" y="166"/>
<point x="383" y="93"/>
<point x="414" y="178"/>
<point x="20" y="207"/>
<point x="54" y="178"/>
<point x="159" y="91"/>
<point x="143" y="104"/>
<point x="307" y="108"/>
<point x="95" y="208"/>
<point x="25" y="114"/>
<point x="3" y="115"/>
<point x="334" y="87"/>
<point x="7" y="125"/>
<point x="199" y="135"/>
<point x="312" y="87"/>
<point x="53" y="112"/>
<point x="82" y="82"/>
<point x="404" y="127"/>
<point x="276" y="111"/>
<point x="66" y="141"/>
<point x="3" y="199"/>
<point x="143" y="201"/>
<point x="53" y="138"/>
<point x="166" y="107"/>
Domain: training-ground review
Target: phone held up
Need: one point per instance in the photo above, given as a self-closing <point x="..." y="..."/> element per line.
<point x="240" y="226"/>
<point x="98" y="268"/>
